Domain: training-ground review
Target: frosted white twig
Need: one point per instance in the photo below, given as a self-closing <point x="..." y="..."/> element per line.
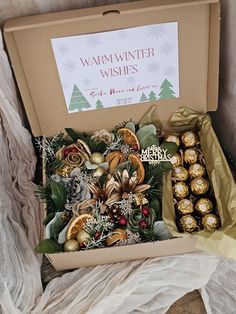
<point x="115" y="145"/>
<point x="133" y="238"/>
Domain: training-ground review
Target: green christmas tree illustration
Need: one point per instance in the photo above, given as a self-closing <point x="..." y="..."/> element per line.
<point x="78" y="101"/>
<point x="99" y="104"/>
<point x="143" y="98"/>
<point x="152" y="96"/>
<point x="166" y="91"/>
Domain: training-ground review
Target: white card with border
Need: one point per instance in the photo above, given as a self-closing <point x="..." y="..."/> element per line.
<point x="120" y="67"/>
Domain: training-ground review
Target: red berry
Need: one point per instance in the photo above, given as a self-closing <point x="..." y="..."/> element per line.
<point x="123" y="221"/>
<point x="82" y="245"/>
<point x="66" y="152"/>
<point x="143" y="224"/>
<point x="97" y="235"/>
<point x="74" y="150"/>
<point x="134" y="147"/>
<point x="146" y="211"/>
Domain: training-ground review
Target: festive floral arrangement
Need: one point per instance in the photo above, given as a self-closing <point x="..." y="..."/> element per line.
<point x="103" y="189"/>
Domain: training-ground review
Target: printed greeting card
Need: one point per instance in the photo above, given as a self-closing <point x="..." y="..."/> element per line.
<point x="119" y="67"/>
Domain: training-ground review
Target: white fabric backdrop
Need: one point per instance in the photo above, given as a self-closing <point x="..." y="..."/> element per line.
<point x="149" y="286"/>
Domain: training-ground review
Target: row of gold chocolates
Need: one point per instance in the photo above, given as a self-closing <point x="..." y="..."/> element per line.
<point x="198" y="186"/>
<point x="190" y="183"/>
<point x="202" y="207"/>
<point x="188" y="223"/>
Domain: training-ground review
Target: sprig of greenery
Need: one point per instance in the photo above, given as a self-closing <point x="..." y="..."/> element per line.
<point x="54" y="194"/>
<point x="52" y="166"/>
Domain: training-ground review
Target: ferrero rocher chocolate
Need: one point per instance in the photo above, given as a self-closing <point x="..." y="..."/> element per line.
<point x="190" y="156"/>
<point x="196" y="170"/>
<point x="189" y="139"/>
<point x="210" y="222"/>
<point x="188" y="223"/>
<point x="179" y="174"/>
<point x="172" y="138"/>
<point x="184" y="207"/>
<point x="176" y="160"/>
<point x="180" y="190"/>
<point x="204" y="206"/>
<point x="199" y="186"/>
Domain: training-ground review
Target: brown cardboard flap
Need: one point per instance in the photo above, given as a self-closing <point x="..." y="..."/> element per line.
<point x="30" y="50"/>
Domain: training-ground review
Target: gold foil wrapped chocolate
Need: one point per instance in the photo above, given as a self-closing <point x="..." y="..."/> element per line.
<point x="179" y="174"/>
<point x="188" y="223"/>
<point x="190" y="156"/>
<point x="189" y="139"/>
<point x="199" y="186"/>
<point x="196" y="170"/>
<point x="172" y="138"/>
<point x="176" y="160"/>
<point x="204" y="206"/>
<point x="211" y="222"/>
<point x="180" y="190"/>
<point x="184" y="207"/>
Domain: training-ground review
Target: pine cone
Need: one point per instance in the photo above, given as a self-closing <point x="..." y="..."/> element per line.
<point x="114" y="213"/>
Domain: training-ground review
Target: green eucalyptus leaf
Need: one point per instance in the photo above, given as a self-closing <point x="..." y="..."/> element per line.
<point x="151" y="140"/>
<point x="49" y="218"/>
<point x="48" y="246"/>
<point x="166" y="165"/>
<point x="155" y="204"/>
<point x="161" y="231"/>
<point x="59" y="194"/>
<point x="170" y="147"/>
<point x="90" y="166"/>
<point x="147" y="136"/>
<point x="131" y="126"/>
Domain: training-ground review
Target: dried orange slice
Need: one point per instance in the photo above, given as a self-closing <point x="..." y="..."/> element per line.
<point x="76" y="225"/>
<point x="140" y="168"/>
<point x="129" y="137"/>
<point x="117" y="235"/>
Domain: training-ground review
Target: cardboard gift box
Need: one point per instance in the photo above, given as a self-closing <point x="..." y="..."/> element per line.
<point x="38" y="73"/>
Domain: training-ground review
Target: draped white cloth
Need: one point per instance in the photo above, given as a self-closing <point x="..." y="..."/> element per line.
<point x="144" y="286"/>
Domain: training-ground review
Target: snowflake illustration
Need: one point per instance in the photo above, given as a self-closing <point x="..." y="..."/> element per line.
<point x="62" y="49"/>
<point x="93" y="41"/>
<point x="166" y="49"/>
<point x="130" y="80"/>
<point x="69" y="66"/>
<point x="122" y="34"/>
<point x="156" y="31"/>
<point x="86" y="81"/>
<point x="153" y="67"/>
<point x="170" y="70"/>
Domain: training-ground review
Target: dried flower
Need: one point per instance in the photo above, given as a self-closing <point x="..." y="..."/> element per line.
<point x="103" y="135"/>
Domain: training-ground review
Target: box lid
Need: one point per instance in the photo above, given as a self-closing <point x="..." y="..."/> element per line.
<point x="29" y="46"/>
